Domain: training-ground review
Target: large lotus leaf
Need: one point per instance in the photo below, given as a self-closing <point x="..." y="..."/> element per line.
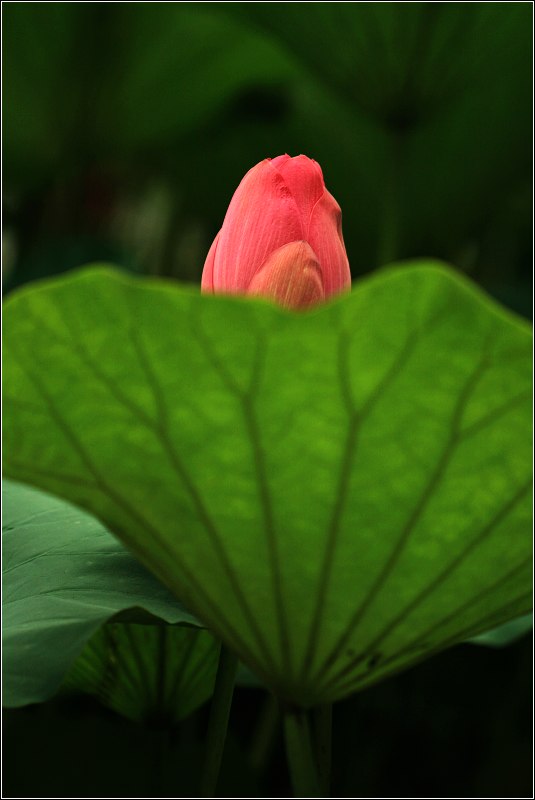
<point x="64" y="576"/>
<point x="336" y="494"/>
<point x="149" y="673"/>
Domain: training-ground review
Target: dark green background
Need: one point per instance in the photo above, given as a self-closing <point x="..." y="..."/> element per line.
<point x="458" y="725"/>
<point x="127" y="128"/>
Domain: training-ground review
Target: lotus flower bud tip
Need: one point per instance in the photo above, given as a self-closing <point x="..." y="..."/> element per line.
<point x="281" y="237"/>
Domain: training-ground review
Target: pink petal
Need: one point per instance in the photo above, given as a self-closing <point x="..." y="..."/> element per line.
<point x="279" y="161"/>
<point x="325" y="237"/>
<point x="304" y="179"/>
<point x="262" y="216"/>
<point x="207" y="280"/>
<point x="291" y="276"/>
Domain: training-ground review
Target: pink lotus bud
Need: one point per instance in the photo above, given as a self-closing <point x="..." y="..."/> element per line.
<point x="281" y="237"/>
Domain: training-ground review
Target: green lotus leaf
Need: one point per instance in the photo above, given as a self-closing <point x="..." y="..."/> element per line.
<point x="336" y="494"/>
<point x="64" y="576"/>
<point x="156" y="674"/>
<point x="505" y="634"/>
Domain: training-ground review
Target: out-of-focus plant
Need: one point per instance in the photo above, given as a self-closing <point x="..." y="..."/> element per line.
<point x="421" y="117"/>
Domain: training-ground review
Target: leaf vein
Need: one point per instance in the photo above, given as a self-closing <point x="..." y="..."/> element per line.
<point x="437" y="581"/>
<point x="162" y="431"/>
<point x="414" y="517"/>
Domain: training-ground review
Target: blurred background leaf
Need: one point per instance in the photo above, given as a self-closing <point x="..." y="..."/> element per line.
<point x="128" y="127"/>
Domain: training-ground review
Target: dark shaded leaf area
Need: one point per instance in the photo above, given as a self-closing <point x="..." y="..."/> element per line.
<point x="423" y="733"/>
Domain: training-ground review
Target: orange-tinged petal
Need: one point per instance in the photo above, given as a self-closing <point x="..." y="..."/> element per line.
<point x="291" y="276"/>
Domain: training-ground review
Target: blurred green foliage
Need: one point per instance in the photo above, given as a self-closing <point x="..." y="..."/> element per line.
<point x="127" y="128"/>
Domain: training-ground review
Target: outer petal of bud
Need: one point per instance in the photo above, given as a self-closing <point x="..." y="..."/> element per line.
<point x="280" y="202"/>
<point x="291" y="275"/>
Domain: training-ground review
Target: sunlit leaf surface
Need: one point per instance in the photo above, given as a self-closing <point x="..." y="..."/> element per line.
<point x="63" y="577"/>
<point x="337" y="494"/>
